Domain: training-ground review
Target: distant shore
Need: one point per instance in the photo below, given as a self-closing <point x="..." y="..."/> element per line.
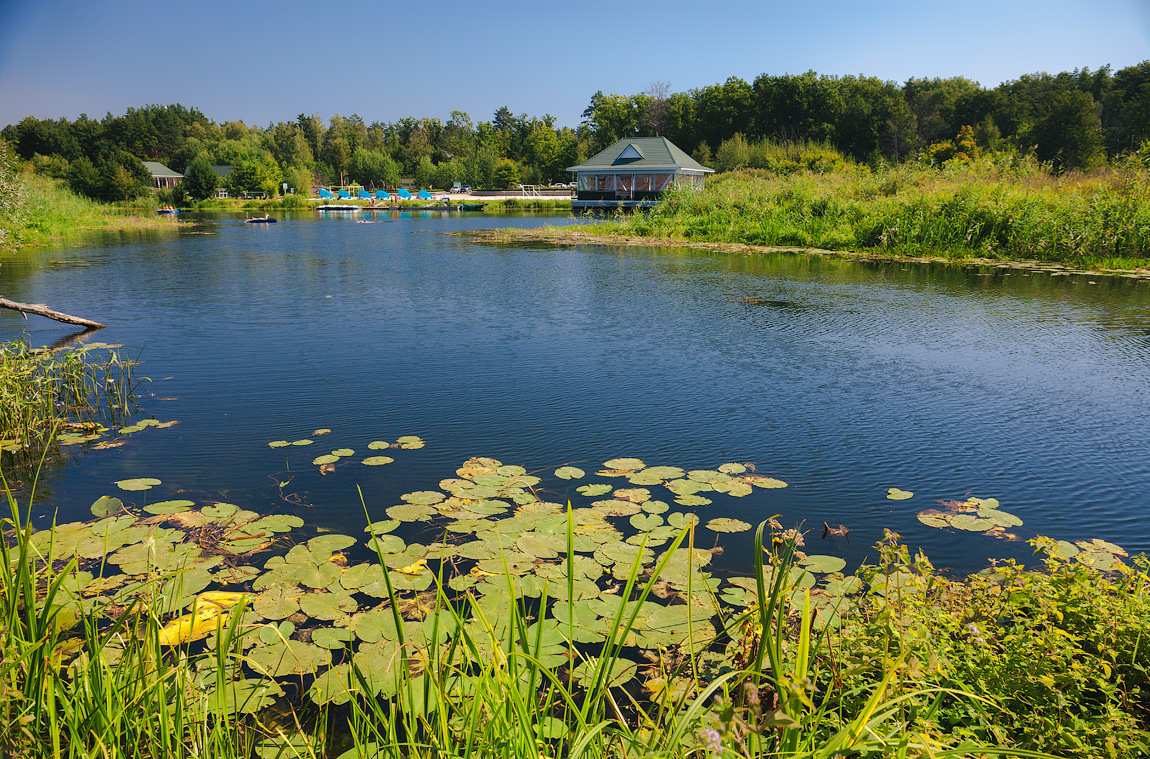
<point x="576" y="236"/>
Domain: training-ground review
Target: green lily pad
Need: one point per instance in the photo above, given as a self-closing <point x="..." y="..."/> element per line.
<point x="329" y="543"/>
<point x="732" y="468"/>
<point x="107" y="505"/>
<point x="411" y="512"/>
<point x="325" y="605"/>
<point x="169" y="507"/>
<point x="934" y="518"/>
<point x="614" y="673"/>
<point x="624" y="465"/>
<point x="327" y="458"/>
<point x="895" y="494"/>
<point x="378" y="445"/>
<point x="646" y="522"/>
<point x="277" y="523"/>
<point x="378" y="460"/>
<point x="594" y="489"/>
<point x="569" y="473"/>
<point x="278" y="444"/>
<point x="332" y="638"/>
<point x="823" y="564"/>
<point x="220" y="510"/>
<point x="723" y="524"/>
<point x="278" y="602"/>
<point x="970" y="522"/>
<point x="343" y="452"/>
<point x="286" y="658"/>
<point x="769" y="483"/>
<point x="305" y="441"/>
<point x="423" y="497"/>
<point x="410" y="442"/>
<point x="138" y="483"/>
<point x="692" y="500"/>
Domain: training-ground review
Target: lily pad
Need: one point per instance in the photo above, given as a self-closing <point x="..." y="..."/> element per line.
<point x="594" y="489"/>
<point x="732" y="468"/>
<point x="823" y="564"/>
<point x="305" y="441"/>
<point x="569" y="473"/>
<point x="378" y="460"/>
<point x="895" y="494"/>
<point x="343" y="452"/>
<point x="624" y="465"/>
<point x="169" y="507"/>
<point x="410" y="442"/>
<point x="290" y="657"/>
<point x="327" y="458"/>
<point x="423" y="497"/>
<point x="138" y="483"/>
<point x="220" y="510"/>
<point x="724" y="524"/>
<point x="107" y="505"/>
<point x="378" y="445"/>
<point x="278" y="444"/>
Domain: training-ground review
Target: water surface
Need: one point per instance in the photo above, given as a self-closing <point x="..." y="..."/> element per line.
<point x="841" y="378"/>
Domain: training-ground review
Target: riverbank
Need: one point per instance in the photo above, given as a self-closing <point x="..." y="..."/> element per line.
<point x="53" y="214"/>
<point x="1000" y="212"/>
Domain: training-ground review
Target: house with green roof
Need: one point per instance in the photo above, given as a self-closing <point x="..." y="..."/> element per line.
<point x="163" y="178"/>
<point x="634" y="172"/>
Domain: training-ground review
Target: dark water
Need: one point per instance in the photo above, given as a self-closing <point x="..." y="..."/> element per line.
<point x="843" y="379"/>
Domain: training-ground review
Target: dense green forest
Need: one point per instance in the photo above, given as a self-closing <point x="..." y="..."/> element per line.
<point x="1076" y="120"/>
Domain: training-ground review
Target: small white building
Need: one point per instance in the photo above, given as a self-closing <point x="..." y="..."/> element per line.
<point x="634" y="172"/>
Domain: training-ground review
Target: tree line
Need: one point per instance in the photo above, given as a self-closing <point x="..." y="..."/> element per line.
<point x="1072" y="120"/>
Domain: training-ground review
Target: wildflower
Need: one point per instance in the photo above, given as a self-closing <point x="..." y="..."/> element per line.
<point x="711" y="741"/>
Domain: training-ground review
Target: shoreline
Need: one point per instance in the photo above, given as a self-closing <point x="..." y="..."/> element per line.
<point x="568" y="235"/>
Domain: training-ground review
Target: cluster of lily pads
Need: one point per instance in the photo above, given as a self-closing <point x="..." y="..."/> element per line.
<point x="351" y="613"/>
<point x="327" y="461"/>
<point x="491" y="542"/>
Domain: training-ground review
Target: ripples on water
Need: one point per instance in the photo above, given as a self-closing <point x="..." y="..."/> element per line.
<point x="841" y="378"/>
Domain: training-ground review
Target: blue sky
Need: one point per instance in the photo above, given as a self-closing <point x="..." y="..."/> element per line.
<point x="263" y="62"/>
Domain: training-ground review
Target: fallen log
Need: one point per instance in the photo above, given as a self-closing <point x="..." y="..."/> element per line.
<point x="41" y="310"/>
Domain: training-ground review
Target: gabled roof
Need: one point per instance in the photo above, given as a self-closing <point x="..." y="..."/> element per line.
<point x="157" y="169"/>
<point x="639" y="154"/>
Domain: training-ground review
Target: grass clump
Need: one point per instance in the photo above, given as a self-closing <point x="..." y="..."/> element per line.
<point x="59" y="396"/>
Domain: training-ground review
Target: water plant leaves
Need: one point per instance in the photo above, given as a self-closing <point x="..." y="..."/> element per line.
<point x="378" y="460"/>
<point x="304" y="441"/>
<point x="343" y="452"/>
<point x="169" y="507"/>
<point x="290" y="657"/>
<point x="378" y="445"/>
<point x="823" y="563"/>
<point x="278" y="444"/>
<point x="724" y="524"/>
<point x="137" y="483"/>
<point x="107" y="505"/>
<point x="895" y="494"/>
<point x="624" y="465"/>
<point x="410" y="442"/>
<point x="732" y="468"/>
<point x="594" y="489"/>
<point x="327" y="458"/>
<point x="569" y="473"/>
<point x="220" y="510"/>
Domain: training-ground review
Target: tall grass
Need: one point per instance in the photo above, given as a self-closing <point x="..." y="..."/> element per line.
<point x="44" y="392"/>
<point x="996" y="207"/>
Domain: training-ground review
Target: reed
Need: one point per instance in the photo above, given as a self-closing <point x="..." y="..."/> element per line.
<point x="45" y="392"/>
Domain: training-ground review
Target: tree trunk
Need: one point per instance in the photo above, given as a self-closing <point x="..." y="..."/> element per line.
<point x="42" y="310"/>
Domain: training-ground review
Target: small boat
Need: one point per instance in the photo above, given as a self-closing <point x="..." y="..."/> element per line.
<point x="472" y="206"/>
<point x="265" y="219"/>
<point x="167" y="209"/>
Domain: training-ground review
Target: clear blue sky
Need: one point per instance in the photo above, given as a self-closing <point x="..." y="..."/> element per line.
<point x="263" y="62"/>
